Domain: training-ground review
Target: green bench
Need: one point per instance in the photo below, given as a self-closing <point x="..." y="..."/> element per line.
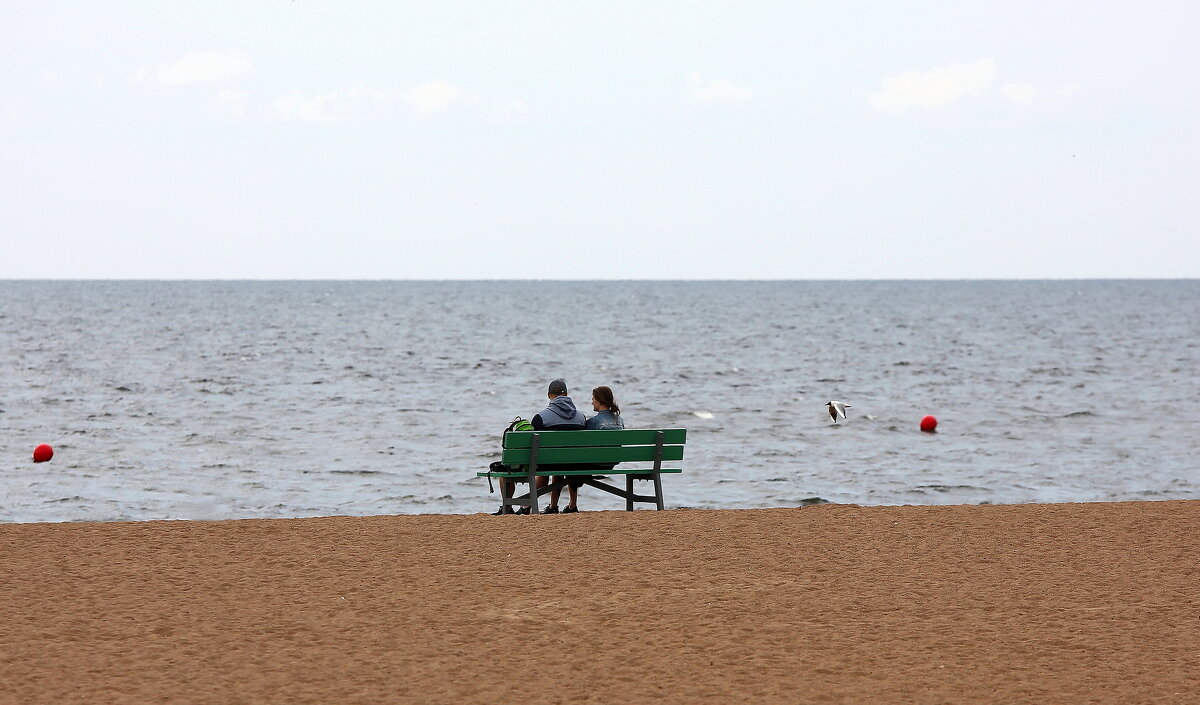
<point x="577" y="454"/>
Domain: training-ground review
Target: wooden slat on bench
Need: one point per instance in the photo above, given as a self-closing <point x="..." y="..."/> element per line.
<point x="616" y="454"/>
<point x="549" y="470"/>
<point x="561" y="439"/>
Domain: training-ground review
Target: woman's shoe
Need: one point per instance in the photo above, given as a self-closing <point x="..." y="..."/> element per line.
<point x="570" y="510"/>
<point x="551" y="510"/>
<point x="523" y="510"/>
<point x="502" y="510"/>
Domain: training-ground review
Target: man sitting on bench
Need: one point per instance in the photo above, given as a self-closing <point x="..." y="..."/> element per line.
<point x="559" y="415"/>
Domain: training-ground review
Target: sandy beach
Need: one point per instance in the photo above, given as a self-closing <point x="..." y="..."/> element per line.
<point x="1066" y="603"/>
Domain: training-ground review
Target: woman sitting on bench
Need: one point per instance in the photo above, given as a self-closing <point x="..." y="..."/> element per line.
<point x="607" y="418"/>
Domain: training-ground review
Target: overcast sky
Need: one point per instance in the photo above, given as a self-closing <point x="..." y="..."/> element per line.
<point x="605" y="140"/>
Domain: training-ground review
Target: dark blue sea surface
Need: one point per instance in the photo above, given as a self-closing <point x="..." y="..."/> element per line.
<point x="213" y="400"/>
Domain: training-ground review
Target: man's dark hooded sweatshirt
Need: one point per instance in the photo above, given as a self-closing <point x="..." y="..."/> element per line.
<point x="559" y="415"/>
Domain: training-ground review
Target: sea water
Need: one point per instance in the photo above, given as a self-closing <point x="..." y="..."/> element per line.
<point x="231" y="399"/>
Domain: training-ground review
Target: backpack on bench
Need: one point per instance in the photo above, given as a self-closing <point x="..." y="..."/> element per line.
<point x="518" y="424"/>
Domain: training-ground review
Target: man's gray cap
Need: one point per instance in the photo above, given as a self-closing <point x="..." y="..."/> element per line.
<point x="558" y="386"/>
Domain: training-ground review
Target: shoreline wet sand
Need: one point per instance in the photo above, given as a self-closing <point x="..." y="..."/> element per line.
<point x="1095" y="602"/>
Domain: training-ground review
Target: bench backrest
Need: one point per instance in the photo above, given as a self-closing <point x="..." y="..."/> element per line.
<point x="564" y="447"/>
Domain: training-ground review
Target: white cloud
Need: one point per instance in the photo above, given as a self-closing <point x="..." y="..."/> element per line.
<point x="432" y="96"/>
<point x="202" y="67"/>
<point x="717" y="91"/>
<point x="935" y="88"/>
<point x="1068" y="90"/>
<point x="363" y="102"/>
<point x="307" y="108"/>
<point x="1020" y="92"/>
<point x="233" y="99"/>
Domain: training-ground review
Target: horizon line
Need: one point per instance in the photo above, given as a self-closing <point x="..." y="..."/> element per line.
<point x="560" y="280"/>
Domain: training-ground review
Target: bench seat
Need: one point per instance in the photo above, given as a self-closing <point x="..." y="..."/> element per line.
<point x="548" y="471"/>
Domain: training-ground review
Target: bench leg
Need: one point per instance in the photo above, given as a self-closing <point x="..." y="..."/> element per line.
<point x="533" y="494"/>
<point x="508" y="492"/>
<point x="532" y="468"/>
<point x="629" y="493"/>
<point x="658" y="454"/>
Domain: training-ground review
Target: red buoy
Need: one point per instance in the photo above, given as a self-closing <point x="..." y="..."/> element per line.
<point x="929" y="424"/>
<point x="42" y="453"/>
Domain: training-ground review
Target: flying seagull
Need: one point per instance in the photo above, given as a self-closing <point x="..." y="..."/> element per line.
<point x="836" y="408"/>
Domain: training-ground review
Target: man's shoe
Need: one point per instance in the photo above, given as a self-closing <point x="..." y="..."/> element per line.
<point x="523" y="510"/>
<point x="571" y="510"/>
<point x="550" y="510"/>
<point x="502" y="510"/>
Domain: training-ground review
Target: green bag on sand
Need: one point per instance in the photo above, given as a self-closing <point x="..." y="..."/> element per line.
<point x="518" y="424"/>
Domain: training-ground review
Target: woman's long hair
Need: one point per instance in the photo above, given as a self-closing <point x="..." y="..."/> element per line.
<point x="604" y="395"/>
